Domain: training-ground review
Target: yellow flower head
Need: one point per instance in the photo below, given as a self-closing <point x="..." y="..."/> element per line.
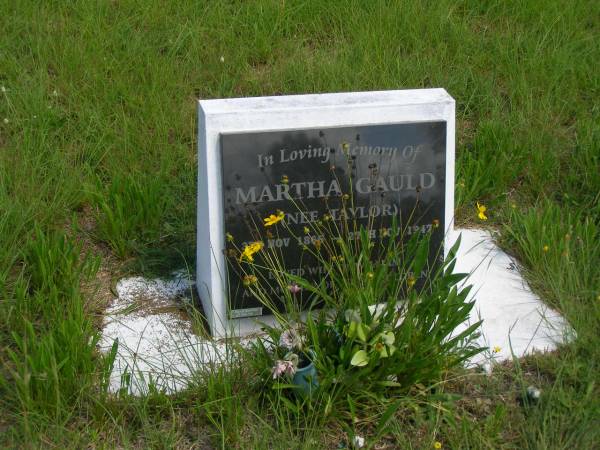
<point x="437" y="445"/>
<point x="345" y="147"/>
<point x="317" y="244"/>
<point x="481" y="209"/>
<point x="384" y="232"/>
<point x="436" y="223"/>
<point x="306" y="230"/>
<point x="345" y="197"/>
<point x="250" y="250"/>
<point x="285" y="179"/>
<point x="545" y="248"/>
<point x="411" y="280"/>
<point x="327" y="217"/>
<point x="250" y="279"/>
<point x="497" y="349"/>
<point x="370" y="275"/>
<point x="273" y="219"/>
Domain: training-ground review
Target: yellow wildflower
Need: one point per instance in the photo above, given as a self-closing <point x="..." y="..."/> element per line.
<point x="250" y="250"/>
<point x="327" y="217"/>
<point x="497" y="349"/>
<point x="370" y="275"/>
<point x="285" y="179"/>
<point x="545" y="248"/>
<point x="306" y="230"/>
<point x="317" y="244"/>
<point x="250" y="279"/>
<point x="437" y="445"/>
<point x="481" y="209"/>
<point x="411" y="280"/>
<point x="345" y="147"/>
<point x="345" y="197"/>
<point x="436" y="223"/>
<point x="273" y="219"/>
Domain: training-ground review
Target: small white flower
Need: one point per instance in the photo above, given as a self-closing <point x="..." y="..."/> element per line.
<point x="55" y="93"/>
<point x="6" y="120"/>
<point x="359" y="441"/>
<point x="222" y="59"/>
<point x="533" y="393"/>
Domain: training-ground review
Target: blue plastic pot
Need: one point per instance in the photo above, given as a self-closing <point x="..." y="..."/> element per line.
<point x="306" y="379"/>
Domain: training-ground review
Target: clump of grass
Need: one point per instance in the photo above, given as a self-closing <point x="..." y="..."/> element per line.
<point x="130" y="214"/>
<point x="51" y="352"/>
<point x="53" y="262"/>
<point x="554" y="242"/>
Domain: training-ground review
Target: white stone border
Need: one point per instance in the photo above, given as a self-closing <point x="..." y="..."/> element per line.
<point x="291" y="112"/>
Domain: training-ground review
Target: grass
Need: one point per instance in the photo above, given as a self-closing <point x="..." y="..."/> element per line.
<point x="98" y="113"/>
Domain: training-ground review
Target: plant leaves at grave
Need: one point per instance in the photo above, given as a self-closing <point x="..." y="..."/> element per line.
<point x="360" y="359"/>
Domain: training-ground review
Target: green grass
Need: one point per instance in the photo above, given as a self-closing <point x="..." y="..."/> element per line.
<point x="100" y="112"/>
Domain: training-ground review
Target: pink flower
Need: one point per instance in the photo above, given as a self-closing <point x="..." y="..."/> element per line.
<point x="291" y="339"/>
<point x="283" y="367"/>
<point x="294" y="288"/>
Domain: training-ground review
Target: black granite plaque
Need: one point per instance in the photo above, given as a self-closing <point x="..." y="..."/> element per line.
<point x="395" y="170"/>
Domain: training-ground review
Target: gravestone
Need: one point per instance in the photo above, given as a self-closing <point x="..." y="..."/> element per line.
<point x="392" y="150"/>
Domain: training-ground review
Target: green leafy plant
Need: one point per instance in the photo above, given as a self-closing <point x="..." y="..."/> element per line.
<point x="381" y="318"/>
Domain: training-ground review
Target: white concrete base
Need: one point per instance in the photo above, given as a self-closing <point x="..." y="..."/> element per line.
<point x="157" y="346"/>
<point x="515" y="320"/>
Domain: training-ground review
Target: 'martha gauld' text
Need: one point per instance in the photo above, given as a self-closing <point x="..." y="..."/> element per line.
<point x="331" y="188"/>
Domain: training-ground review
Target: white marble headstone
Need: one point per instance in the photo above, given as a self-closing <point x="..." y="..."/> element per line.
<point x="295" y="112"/>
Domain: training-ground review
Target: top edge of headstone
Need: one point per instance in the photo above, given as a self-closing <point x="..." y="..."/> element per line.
<point x="312" y="101"/>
